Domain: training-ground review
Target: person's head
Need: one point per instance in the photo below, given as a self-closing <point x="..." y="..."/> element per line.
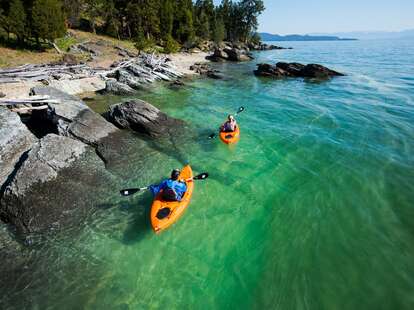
<point x="230" y="118"/>
<point x="175" y="174"/>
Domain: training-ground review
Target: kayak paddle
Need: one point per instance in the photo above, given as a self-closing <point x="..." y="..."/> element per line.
<point x="133" y="191"/>
<point x="213" y="135"/>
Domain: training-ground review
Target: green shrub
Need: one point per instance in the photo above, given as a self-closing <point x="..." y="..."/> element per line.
<point x="171" y="46"/>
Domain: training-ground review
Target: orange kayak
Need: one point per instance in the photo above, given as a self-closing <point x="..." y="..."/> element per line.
<point x="165" y="213"/>
<point x="230" y="137"/>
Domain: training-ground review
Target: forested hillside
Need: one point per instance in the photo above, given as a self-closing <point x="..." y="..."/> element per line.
<point x="169" y="23"/>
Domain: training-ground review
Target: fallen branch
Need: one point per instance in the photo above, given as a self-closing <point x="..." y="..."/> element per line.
<point x="28" y="109"/>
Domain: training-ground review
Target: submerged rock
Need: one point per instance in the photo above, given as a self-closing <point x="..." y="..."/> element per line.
<point x="143" y="117"/>
<point x="283" y="69"/>
<point x="49" y="183"/>
<point x="206" y="70"/>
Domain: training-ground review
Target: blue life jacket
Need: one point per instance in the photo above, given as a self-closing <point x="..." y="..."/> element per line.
<point x="174" y="190"/>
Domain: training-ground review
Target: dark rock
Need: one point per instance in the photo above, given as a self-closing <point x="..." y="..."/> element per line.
<point x="319" y="72"/>
<point x="218" y="55"/>
<point x="267" y="70"/>
<point x="214" y="75"/>
<point x="2" y="95"/>
<point x="176" y="84"/>
<point x="233" y="54"/>
<point x="143" y="117"/>
<point x="294" y="68"/>
<point x="283" y="69"/>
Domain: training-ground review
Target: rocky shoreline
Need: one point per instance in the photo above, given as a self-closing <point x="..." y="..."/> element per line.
<point x="50" y="138"/>
<point x="79" y="145"/>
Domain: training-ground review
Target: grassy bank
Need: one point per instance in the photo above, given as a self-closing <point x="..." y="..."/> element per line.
<point x="12" y="57"/>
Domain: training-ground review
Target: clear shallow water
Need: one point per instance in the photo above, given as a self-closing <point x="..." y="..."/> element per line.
<point x="313" y="209"/>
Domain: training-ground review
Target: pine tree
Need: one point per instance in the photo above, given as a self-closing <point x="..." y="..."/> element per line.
<point x="250" y="10"/>
<point x="183" y="24"/>
<point x="73" y="10"/>
<point x="203" y="26"/>
<point x="48" y="21"/>
<point x="94" y="9"/>
<point x="219" y="31"/>
<point x="166" y="19"/>
<point x="17" y="20"/>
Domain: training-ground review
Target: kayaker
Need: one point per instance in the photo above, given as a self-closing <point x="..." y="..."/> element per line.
<point x="172" y="188"/>
<point x="230" y="125"/>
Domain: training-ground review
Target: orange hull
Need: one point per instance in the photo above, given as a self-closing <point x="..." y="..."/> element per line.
<point x="177" y="207"/>
<point x="230" y="137"/>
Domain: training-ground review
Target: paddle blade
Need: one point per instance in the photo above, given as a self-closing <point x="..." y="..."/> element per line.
<point x="201" y="176"/>
<point x="130" y="191"/>
<point x="241" y="109"/>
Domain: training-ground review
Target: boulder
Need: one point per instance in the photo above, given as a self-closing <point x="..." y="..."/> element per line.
<point x="233" y="54"/>
<point x="283" y="69"/>
<point x="124" y="77"/>
<point x="218" y="55"/>
<point x="319" y="72"/>
<point x="117" y="88"/>
<point x="267" y="70"/>
<point x="218" y="52"/>
<point x="55" y="178"/>
<point x="15" y="140"/>
<point x="73" y="118"/>
<point x="294" y="68"/>
<point x="143" y="117"/>
<point x="89" y="127"/>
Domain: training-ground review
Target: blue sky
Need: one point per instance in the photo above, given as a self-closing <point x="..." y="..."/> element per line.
<point x="328" y="16"/>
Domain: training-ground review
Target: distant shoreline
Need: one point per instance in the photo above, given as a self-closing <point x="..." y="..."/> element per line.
<point x="268" y="37"/>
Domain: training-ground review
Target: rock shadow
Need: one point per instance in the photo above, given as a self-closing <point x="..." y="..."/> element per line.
<point x="140" y="224"/>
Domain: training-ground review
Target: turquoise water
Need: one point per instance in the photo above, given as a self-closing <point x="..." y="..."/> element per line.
<point x="312" y="209"/>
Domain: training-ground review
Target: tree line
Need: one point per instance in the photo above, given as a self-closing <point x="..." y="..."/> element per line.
<point x="169" y="23"/>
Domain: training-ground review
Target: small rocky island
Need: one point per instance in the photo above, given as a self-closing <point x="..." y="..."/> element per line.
<point x="284" y="69"/>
